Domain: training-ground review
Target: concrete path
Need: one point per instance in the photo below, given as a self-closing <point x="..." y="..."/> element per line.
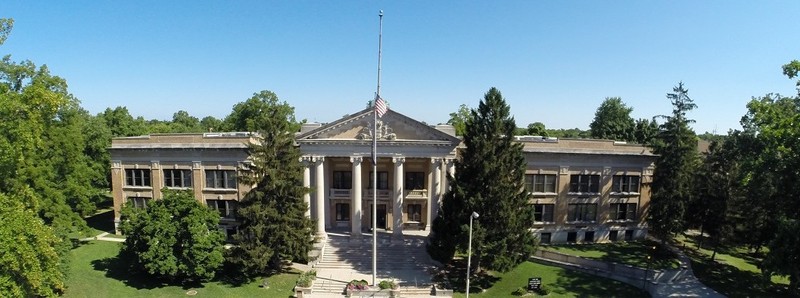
<point x="102" y="237"/>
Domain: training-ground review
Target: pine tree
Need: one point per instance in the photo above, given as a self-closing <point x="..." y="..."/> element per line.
<point x="273" y="226"/>
<point x="676" y="146"/>
<point x="488" y="180"/>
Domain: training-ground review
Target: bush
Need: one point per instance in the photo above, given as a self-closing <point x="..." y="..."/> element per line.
<point x="388" y="284"/>
<point x="543" y="290"/>
<point x="306" y="279"/>
<point x="358" y="285"/>
<point x="520" y="291"/>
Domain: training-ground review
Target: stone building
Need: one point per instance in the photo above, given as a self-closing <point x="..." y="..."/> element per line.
<point x="583" y="190"/>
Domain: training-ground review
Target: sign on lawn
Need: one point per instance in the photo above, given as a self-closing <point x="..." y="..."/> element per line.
<point x="534" y="283"/>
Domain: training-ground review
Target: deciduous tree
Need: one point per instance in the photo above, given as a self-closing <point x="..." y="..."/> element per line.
<point x="458" y="119"/>
<point x="613" y="121"/>
<point x="175" y="238"/>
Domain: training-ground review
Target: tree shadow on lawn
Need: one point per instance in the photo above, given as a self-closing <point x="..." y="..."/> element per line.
<point x="631" y="253"/>
<point x="751" y="257"/>
<point x="454" y="274"/>
<point x="120" y="269"/>
<point x="585" y="285"/>
<point x="102" y="221"/>
<point x="731" y="281"/>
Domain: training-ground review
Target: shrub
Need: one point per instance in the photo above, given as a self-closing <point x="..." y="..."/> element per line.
<point x="543" y="290"/>
<point x="520" y="291"/>
<point x="388" y="284"/>
<point x="306" y="278"/>
<point x="358" y="285"/>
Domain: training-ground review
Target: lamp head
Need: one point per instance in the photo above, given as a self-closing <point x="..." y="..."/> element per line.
<point x="475" y="215"/>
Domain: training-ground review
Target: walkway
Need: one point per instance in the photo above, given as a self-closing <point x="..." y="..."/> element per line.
<point x="345" y="259"/>
<point x="660" y="283"/>
<point x="103" y="237"/>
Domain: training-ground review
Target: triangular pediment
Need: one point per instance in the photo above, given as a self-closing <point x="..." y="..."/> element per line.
<point x="392" y="126"/>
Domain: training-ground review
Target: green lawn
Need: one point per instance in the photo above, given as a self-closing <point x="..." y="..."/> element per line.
<point x="631" y="253"/>
<point x="94" y="273"/>
<point x="561" y="282"/>
<point x="734" y="272"/>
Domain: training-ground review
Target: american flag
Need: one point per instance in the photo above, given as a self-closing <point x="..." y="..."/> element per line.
<point x="380" y="106"/>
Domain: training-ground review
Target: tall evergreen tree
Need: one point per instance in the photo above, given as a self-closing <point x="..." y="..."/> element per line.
<point x="273" y="227"/>
<point x="676" y="146"/>
<point x="489" y="180"/>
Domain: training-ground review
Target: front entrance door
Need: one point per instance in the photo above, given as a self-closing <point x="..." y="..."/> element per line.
<point x="381" y="216"/>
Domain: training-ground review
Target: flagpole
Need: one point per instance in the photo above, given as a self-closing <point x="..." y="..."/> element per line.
<point x="375" y="160"/>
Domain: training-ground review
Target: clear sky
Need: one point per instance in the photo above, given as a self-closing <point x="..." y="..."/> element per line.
<point x="554" y="61"/>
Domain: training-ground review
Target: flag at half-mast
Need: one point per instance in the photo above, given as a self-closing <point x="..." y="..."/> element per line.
<point x="380" y="106"/>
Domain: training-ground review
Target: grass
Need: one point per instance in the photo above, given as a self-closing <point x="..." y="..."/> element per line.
<point x="734" y="272"/>
<point x="630" y="253"/>
<point x="95" y="271"/>
<point x="561" y="282"/>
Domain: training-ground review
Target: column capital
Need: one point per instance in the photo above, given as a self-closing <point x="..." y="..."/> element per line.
<point x="398" y="160"/>
<point x="306" y="159"/>
<point x="564" y="170"/>
<point x="436" y="160"/>
<point x="356" y="159"/>
<point x="318" y="159"/>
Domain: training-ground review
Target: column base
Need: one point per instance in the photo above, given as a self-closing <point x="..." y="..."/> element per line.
<point x="398" y="239"/>
<point x="321" y="235"/>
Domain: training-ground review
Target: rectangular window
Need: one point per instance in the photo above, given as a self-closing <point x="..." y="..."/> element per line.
<point x="383" y="180"/>
<point x="625" y="184"/>
<point x="543" y="212"/>
<point x="415" y="212"/>
<point x="584" y="183"/>
<point x="540" y="183"/>
<point x="623" y="211"/>
<point x="628" y="235"/>
<point x="138" y="202"/>
<point x="572" y="237"/>
<point x="178" y="178"/>
<point x="415" y="180"/>
<point x="582" y="212"/>
<point x="612" y="236"/>
<point x="588" y="237"/>
<point x="342" y="179"/>
<point x="342" y="212"/>
<point x="224" y="179"/>
<point x="226" y="208"/>
<point x="137" y="177"/>
<point x="544" y="238"/>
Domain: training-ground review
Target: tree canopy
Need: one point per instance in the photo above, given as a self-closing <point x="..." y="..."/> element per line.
<point x="175" y="238"/>
<point x="458" y="119"/>
<point x="488" y="180"/>
<point x="613" y="121"/>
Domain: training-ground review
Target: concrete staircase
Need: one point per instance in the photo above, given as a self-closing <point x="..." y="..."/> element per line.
<point x="345" y="258"/>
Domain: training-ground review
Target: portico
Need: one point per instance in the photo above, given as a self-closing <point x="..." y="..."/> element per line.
<point x="412" y="162"/>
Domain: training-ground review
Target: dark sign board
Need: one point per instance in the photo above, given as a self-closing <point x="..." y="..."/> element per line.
<point x="534" y="283"/>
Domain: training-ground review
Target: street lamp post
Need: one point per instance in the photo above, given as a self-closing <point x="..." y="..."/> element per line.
<point x="472" y="216"/>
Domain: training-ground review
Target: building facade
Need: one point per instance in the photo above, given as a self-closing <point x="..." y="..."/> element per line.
<point x="583" y="190"/>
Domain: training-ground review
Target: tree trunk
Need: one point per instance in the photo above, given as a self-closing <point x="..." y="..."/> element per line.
<point x="700" y="239"/>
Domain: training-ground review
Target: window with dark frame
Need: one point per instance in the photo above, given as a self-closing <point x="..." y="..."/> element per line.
<point x="628" y="235"/>
<point x="383" y="180"/>
<point x="588" y="236"/>
<point x="178" y="178"/>
<point x="543" y="212"/>
<point x="572" y="237"/>
<point x="582" y="212"/>
<point x="414" y="180"/>
<point x="415" y="212"/>
<point x="612" y="236"/>
<point x="138" y="202"/>
<point x="342" y="212"/>
<point x="584" y="183"/>
<point x="544" y="238"/>
<point x="623" y="211"/>
<point x="540" y="183"/>
<point x="137" y="177"/>
<point x="342" y="179"/>
<point x="225" y="208"/>
<point x="222" y="179"/>
<point x="625" y="184"/>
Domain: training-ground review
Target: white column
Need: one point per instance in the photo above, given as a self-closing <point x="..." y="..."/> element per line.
<point x="433" y="203"/>
<point x="320" y="189"/>
<point x="307" y="183"/>
<point x="355" y="218"/>
<point x="397" y="215"/>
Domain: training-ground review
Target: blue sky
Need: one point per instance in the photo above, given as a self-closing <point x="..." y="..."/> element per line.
<point x="554" y="61"/>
